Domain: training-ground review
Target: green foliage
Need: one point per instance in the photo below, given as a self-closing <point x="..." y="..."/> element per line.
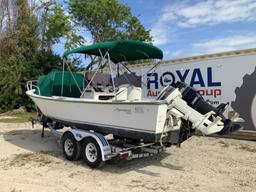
<point x="57" y="24"/>
<point x="16" y="70"/>
<point x="73" y="40"/>
<point x="28" y="31"/>
<point x="10" y="87"/>
<point x="16" y="64"/>
<point x="25" y="29"/>
<point x="17" y="117"/>
<point x="21" y="58"/>
<point x="108" y="20"/>
<point x="135" y="30"/>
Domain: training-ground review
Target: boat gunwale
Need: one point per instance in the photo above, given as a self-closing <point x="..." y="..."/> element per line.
<point x="82" y="100"/>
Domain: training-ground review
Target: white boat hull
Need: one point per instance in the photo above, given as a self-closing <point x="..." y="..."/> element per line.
<point x="130" y="116"/>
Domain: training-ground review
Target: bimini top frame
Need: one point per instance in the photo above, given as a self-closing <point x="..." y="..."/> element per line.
<point x="116" y="52"/>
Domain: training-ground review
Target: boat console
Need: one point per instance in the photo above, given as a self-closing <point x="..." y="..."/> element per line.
<point x="95" y="95"/>
<point x="124" y="93"/>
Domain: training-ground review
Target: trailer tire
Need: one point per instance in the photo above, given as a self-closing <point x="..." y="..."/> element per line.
<point x="70" y="147"/>
<point x="91" y="152"/>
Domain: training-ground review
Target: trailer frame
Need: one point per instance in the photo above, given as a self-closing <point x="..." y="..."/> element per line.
<point x="107" y="147"/>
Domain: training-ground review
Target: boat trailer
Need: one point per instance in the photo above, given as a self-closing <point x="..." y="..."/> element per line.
<point x="95" y="148"/>
<point x="183" y="116"/>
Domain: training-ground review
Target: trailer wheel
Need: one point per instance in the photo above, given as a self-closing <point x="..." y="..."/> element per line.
<point x="71" y="148"/>
<point x="91" y="153"/>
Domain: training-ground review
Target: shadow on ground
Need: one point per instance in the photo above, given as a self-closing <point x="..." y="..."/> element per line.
<point x="31" y="140"/>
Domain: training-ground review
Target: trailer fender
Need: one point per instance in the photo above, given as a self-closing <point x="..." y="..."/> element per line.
<point x="101" y="140"/>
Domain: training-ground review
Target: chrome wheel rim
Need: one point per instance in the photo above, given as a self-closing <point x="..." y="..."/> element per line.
<point x="69" y="147"/>
<point x="91" y="152"/>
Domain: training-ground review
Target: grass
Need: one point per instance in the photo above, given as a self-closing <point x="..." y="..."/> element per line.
<point x="41" y="159"/>
<point x="248" y="148"/>
<point x="223" y="144"/>
<point x="17" y="117"/>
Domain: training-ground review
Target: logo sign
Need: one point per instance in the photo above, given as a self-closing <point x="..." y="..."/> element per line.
<point x="194" y="77"/>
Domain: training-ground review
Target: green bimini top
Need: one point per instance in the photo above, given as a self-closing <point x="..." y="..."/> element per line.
<point x="123" y="50"/>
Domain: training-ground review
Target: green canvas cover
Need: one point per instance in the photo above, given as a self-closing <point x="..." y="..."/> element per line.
<point x="50" y="84"/>
<point x="123" y="50"/>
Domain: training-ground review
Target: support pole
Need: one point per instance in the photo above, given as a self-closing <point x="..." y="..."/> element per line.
<point x="111" y="71"/>
<point x="42" y="133"/>
<point x="62" y="80"/>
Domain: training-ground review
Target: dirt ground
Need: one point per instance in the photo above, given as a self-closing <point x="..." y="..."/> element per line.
<point x="29" y="163"/>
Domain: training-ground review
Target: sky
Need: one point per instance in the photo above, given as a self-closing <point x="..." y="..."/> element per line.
<point x="183" y="28"/>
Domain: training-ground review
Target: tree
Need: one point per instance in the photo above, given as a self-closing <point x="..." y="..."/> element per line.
<point x="108" y="20"/>
<point x="26" y="28"/>
<point x="30" y="28"/>
<point x="7" y="42"/>
<point x="55" y="24"/>
<point x="21" y="58"/>
<point x="18" y="43"/>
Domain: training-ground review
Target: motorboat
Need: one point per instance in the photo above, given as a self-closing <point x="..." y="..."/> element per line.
<point x="72" y="99"/>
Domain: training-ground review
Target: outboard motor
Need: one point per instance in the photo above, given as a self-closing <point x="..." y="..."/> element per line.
<point x="197" y="102"/>
<point x="179" y="110"/>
